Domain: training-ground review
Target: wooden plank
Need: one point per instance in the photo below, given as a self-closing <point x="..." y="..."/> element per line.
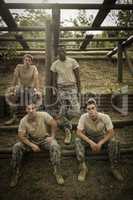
<point x="129" y="63"/>
<point x="66" y="6"/>
<point x="6" y="15"/>
<point x="124" y="44"/>
<point x="12" y="39"/>
<point x="22" y="41"/>
<point x="68" y="28"/>
<point x="101" y="15"/>
<point x="86" y="41"/>
<point x="56" y="28"/>
<point x="49" y="58"/>
<point x="104" y="10"/>
<point x="10" y="22"/>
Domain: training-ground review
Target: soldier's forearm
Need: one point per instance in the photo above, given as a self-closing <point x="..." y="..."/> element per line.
<point x="107" y="137"/>
<point x="25" y="141"/>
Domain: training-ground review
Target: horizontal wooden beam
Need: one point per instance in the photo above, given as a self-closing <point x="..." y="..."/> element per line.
<point x="69" y="28"/>
<point x="67" y="49"/>
<point x="11" y="39"/>
<point x="66" y="6"/>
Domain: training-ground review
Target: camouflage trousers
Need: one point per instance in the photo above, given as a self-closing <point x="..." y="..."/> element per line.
<point x="22" y="97"/>
<point x="112" y="148"/>
<point x="68" y="99"/>
<point x="19" y="149"/>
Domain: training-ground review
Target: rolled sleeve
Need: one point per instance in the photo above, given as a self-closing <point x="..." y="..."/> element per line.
<point x="81" y="123"/>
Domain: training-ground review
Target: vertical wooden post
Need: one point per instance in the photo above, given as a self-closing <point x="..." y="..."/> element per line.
<point x="129" y="63"/>
<point x="48" y="60"/>
<point x="56" y="28"/>
<point x="120" y="63"/>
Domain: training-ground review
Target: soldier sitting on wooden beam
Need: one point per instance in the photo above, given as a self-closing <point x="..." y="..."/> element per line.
<point x="34" y="136"/>
<point x="95" y="131"/>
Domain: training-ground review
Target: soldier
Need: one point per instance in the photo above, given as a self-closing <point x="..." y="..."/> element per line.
<point x="95" y="131"/>
<point x="25" y="86"/>
<point x="66" y="71"/>
<point x="33" y="135"/>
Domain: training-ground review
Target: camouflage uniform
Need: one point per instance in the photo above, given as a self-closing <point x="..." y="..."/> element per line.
<point x="67" y="96"/>
<point x="64" y="123"/>
<point x="19" y="149"/>
<point x="112" y="147"/>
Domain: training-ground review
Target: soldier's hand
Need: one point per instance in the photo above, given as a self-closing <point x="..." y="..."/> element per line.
<point x="98" y="147"/>
<point x="49" y="139"/>
<point x="35" y="148"/>
<point x="93" y="146"/>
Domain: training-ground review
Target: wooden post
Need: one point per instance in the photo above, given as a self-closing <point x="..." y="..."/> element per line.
<point x="129" y="63"/>
<point x="119" y="63"/>
<point x="48" y="61"/>
<point x="56" y="28"/>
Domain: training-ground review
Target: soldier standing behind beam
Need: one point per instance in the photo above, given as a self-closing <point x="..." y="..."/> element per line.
<point x="66" y="71"/>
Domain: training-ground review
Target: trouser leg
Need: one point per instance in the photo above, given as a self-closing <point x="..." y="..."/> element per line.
<point x="55" y="157"/>
<point x="80" y="150"/>
<point x="80" y="153"/>
<point x="114" y="157"/>
<point x="17" y="155"/>
<point x="114" y="152"/>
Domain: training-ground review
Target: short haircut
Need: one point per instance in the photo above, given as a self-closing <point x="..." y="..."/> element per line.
<point x="28" y="55"/>
<point x="91" y="101"/>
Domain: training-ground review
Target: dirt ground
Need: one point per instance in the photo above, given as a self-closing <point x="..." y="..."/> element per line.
<point x="38" y="182"/>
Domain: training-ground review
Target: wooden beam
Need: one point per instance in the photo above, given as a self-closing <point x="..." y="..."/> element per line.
<point x="120" y="63"/>
<point x="101" y="15"/>
<point x="22" y="41"/>
<point x="56" y="28"/>
<point x="86" y="41"/>
<point x="103" y="12"/>
<point x="129" y="63"/>
<point x="124" y="44"/>
<point x="67" y="49"/>
<point x="10" y="22"/>
<point x="69" y="28"/>
<point x="6" y="15"/>
<point x="12" y="39"/>
<point x="66" y="6"/>
<point x="49" y="54"/>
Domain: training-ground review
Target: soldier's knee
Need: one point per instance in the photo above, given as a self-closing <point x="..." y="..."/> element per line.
<point x="55" y="145"/>
<point x="17" y="147"/>
<point x="77" y="141"/>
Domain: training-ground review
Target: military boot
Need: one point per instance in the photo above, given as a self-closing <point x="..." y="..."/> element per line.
<point x="83" y="172"/>
<point x="58" y="176"/>
<point x="116" y="173"/>
<point x="68" y="137"/>
<point x="15" y="177"/>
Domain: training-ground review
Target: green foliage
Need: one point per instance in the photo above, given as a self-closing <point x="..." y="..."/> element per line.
<point x="80" y="20"/>
<point x="33" y="17"/>
<point x="123" y="18"/>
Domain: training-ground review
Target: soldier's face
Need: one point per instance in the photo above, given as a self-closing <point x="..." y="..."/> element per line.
<point x="31" y="110"/>
<point x="92" y="111"/>
<point x="62" y="55"/>
<point x="27" y="61"/>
